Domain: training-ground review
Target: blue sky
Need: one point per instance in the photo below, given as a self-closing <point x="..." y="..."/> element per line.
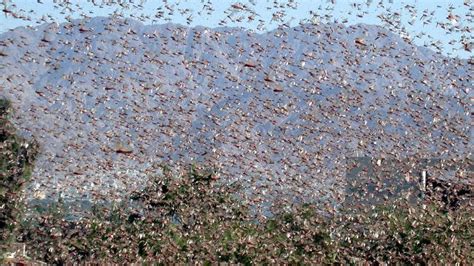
<point x="342" y="11"/>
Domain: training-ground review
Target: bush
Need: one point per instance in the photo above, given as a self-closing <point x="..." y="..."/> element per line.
<point x="16" y="163"/>
<point x="176" y="218"/>
<point x="192" y="218"/>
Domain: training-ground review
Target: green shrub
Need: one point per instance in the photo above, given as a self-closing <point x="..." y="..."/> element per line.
<point x="16" y="163"/>
<point x="192" y="218"/>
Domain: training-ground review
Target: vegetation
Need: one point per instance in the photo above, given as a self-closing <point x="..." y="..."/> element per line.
<point x="194" y="218"/>
<point x="16" y="162"/>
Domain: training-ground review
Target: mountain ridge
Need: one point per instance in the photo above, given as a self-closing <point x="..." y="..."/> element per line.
<point x="282" y="108"/>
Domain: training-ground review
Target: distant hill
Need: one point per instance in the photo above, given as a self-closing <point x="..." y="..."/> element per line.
<point x="108" y="100"/>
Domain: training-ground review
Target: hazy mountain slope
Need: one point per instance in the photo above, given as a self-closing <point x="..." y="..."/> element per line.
<point x="283" y="108"/>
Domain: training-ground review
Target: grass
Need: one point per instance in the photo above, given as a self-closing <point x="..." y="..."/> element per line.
<point x="192" y="218"/>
